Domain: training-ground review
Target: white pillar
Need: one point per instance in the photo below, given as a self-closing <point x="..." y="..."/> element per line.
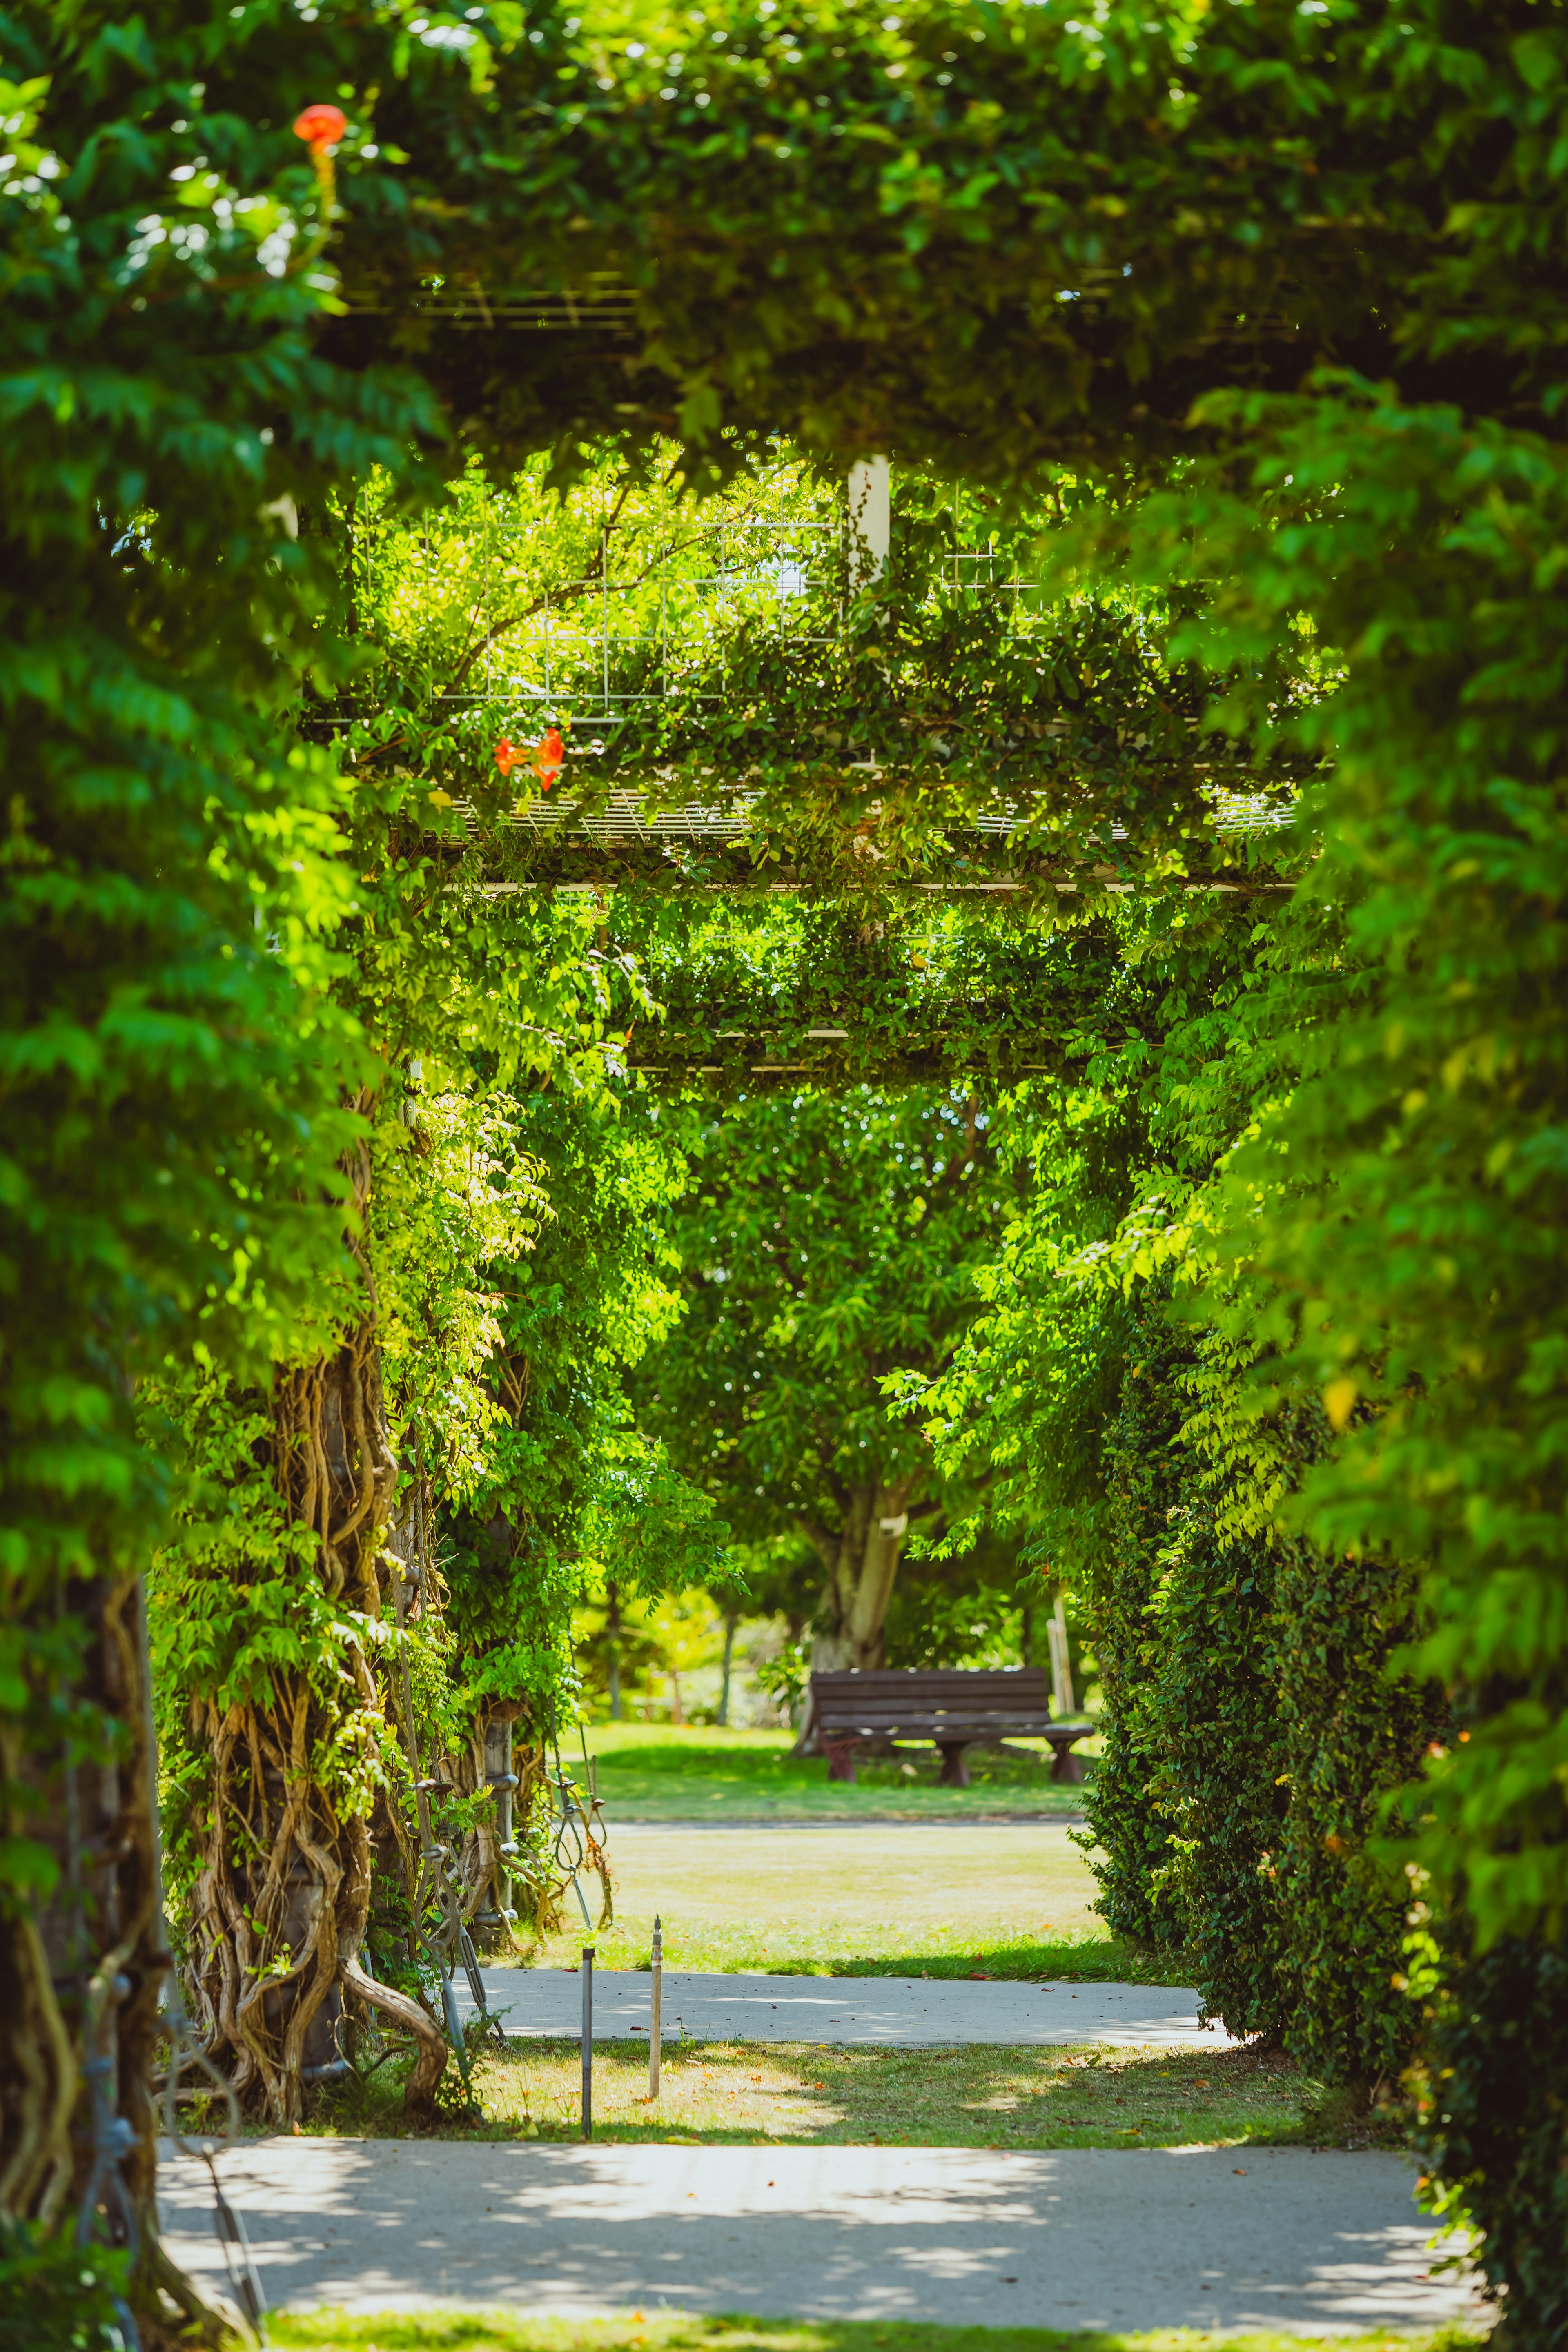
<point x="1061" y="1661"/>
<point x="871" y="521"/>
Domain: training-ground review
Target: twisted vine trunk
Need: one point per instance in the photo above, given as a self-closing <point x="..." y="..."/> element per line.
<point x="82" y="1968"/>
<point x="281" y="1901"/>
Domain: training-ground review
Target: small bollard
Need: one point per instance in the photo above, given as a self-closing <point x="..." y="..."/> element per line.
<point x="656" y="2029"/>
<point x="588" y="2041"/>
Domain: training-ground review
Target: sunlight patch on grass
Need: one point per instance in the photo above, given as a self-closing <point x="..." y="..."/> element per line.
<point x="665" y="2331"/>
<point x="891" y="1901"/>
<point x="816" y="2094"/>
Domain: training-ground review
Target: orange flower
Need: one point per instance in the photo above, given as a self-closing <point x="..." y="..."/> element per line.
<point x="547" y="759"/>
<point x="321" y="127"/>
<point x="508" y="755"/>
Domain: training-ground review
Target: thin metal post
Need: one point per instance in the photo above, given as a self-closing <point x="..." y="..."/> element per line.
<point x="655" y="2031"/>
<point x="588" y="2041"/>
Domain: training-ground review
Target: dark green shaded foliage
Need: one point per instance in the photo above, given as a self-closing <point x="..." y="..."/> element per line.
<point x="1494" y="2121"/>
<point x="1142" y="1469"/>
<point x="1259" y="1726"/>
<point x="1023" y="243"/>
<point x="57" y="2297"/>
<point x="1210" y="1716"/>
<point x="1353" y="1729"/>
<point x="906" y="995"/>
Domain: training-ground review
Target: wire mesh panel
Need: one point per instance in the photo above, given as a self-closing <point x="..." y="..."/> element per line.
<point x="641" y="620"/>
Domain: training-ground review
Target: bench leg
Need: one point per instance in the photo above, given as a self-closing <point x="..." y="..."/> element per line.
<point x="840" y="1755"/>
<point x="1065" y="1764"/>
<point x="954" y="1774"/>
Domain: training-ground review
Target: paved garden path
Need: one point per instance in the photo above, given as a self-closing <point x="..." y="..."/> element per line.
<point x="1223" y="2238"/>
<point x="892" y="2011"/>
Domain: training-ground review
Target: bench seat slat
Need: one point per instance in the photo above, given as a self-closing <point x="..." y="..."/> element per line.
<point x="939" y="1727"/>
<point x="919" y="1703"/>
<point x="897" y="1710"/>
<point x="923" y="1703"/>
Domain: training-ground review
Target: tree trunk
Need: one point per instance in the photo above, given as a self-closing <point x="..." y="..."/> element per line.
<point x="862" y="1563"/>
<point x="613" y="1635"/>
<point x="730" y="1621"/>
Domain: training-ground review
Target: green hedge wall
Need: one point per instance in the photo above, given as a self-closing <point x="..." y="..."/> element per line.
<point x="1351" y="1730"/>
<point x="1143" y="1467"/>
<point x="1257" y="1722"/>
<point x="1212" y="1711"/>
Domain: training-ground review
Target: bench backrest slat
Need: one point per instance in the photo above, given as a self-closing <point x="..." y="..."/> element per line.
<point x="945" y="1702"/>
<point x="1016" y="1682"/>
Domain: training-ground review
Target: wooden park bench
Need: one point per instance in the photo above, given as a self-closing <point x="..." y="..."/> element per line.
<point x="956" y="1710"/>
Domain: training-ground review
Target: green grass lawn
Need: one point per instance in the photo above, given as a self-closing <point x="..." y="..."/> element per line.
<point x="974" y="2096"/>
<point x="891" y="1899"/>
<point x="653" y="1772"/>
<point x="667" y="2331"/>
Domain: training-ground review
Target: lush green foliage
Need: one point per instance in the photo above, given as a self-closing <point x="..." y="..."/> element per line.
<point x="1259" y="1726"/>
<point x="950" y="716"/>
<point x="794" y="991"/>
<point x="1252" y="1727"/>
<point x="1376" y="1222"/>
<point x="826" y="1244"/>
<point x="1430" y="1289"/>
<point x="174" y="1063"/>
<point x="573" y="1491"/>
<point x="1437" y="1302"/>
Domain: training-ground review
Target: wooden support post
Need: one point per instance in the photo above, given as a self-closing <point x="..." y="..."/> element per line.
<point x="655" y="2029"/>
<point x="588" y="2041"/>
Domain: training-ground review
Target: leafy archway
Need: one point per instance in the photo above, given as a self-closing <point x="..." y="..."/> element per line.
<point x="898" y="246"/>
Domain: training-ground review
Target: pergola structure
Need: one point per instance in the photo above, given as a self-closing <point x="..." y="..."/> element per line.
<point x="667" y="621"/>
<point x="971" y="939"/>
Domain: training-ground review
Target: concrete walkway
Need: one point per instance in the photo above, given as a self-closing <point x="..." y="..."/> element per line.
<point x="892" y="2011"/>
<point x="1217" y="2239"/>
